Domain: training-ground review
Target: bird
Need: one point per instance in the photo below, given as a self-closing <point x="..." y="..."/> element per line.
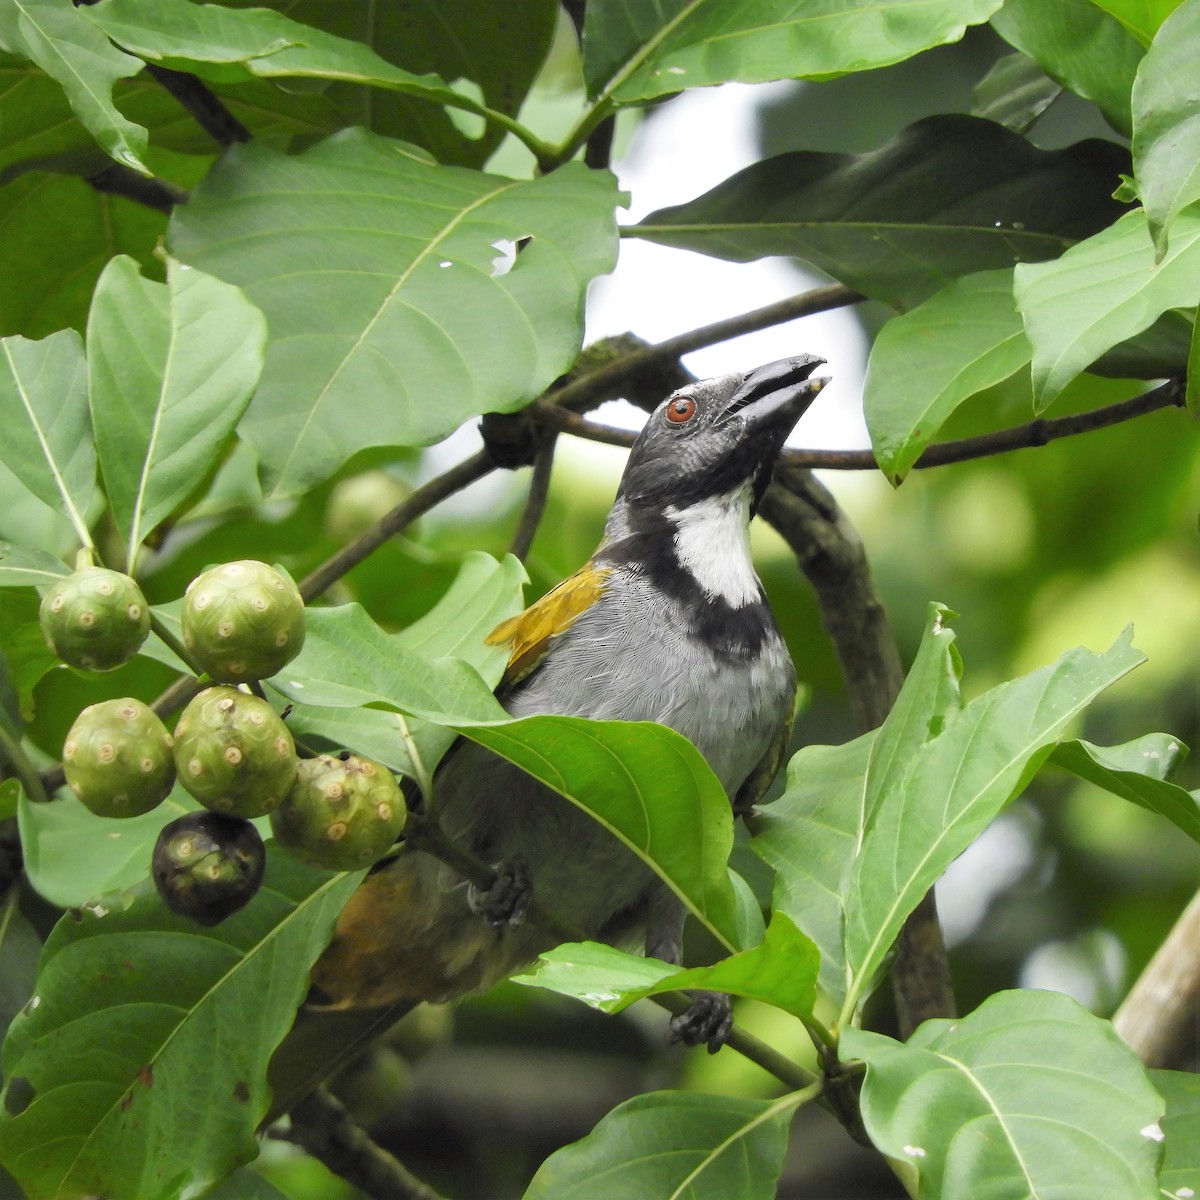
<point x="667" y="621"/>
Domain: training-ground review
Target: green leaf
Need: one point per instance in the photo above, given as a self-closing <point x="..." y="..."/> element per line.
<point x="1141" y="17"/>
<point x="782" y="971"/>
<point x="1030" y="1095"/>
<point x="29" y="658"/>
<point x="810" y="836"/>
<point x="1179" y="1176"/>
<point x="391" y="323"/>
<point x="944" y="795"/>
<point x="23" y="567"/>
<point x="19" y="950"/>
<point x="246" y="1184"/>
<point x="73" y="857"/>
<point x="232" y="44"/>
<point x="646" y="784"/>
<point x="10" y="796"/>
<point x="484" y="592"/>
<point x="1102" y="292"/>
<point x="1166" y="123"/>
<point x="349" y="662"/>
<point x="925" y="363"/>
<point x="140" y="1069"/>
<point x="73" y="51"/>
<point x="948" y="196"/>
<point x="1014" y="93"/>
<point x="56" y="235"/>
<point x="637" y="52"/>
<point x="1136" y="772"/>
<point x="673" y="1144"/>
<point x="171" y="369"/>
<point x="1084" y="49"/>
<point x="47" y="439"/>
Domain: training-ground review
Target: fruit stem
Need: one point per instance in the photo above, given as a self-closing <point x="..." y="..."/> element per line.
<point x="31" y="781"/>
<point x="84" y="558"/>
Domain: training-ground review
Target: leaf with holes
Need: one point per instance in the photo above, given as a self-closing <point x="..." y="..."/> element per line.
<point x="1030" y="1095"/>
<point x="139" y="1070"/>
<point x="637" y="52"/>
<point x="171" y="369"/>
<point x="947" y="196"/>
<point x="394" y="316"/>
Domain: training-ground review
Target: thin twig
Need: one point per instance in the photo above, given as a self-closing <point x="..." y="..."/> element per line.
<point x="535" y="502"/>
<point x="322" y="1126"/>
<point x="457" y="478"/>
<point x="206" y="109"/>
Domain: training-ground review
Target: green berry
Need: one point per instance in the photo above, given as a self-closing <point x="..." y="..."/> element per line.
<point x="342" y="813"/>
<point x="207" y="866"/>
<point x="117" y="758"/>
<point x="233" y="753"/>
<point x="96" y="618"/>
<point x="242" y="621"/>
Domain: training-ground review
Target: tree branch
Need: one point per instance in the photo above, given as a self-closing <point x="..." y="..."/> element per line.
<point x="120" y="180"/>
<point x="1160" y="1018"/>
<point x="535" y="502"/>
<point x="322" y="1126"/>
<point x="832" y="557"/>
<point x="206" y="109"/>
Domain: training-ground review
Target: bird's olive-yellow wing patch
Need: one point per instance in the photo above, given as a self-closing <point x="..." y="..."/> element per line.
<point x="529" y="633"/>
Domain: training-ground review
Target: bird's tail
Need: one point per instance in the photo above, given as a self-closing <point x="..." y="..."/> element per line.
<point x="321" y="1042"/>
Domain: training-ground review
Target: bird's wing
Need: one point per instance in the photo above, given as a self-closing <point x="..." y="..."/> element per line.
<point x="530" y="633"/>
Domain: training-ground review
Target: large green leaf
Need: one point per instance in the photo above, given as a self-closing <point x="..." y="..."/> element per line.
<point x="1179" y="1177"/>
<point x="926" y="362"/>
<point x="782" y="971"/>
<point x="947" y="196"/>
<point x="24" y="644"/>
<point x="1141" y="17"/>
<point x="47" y="439"/>
<point x="1085" y="49"/>
<point x="1014" y="93"/>
<point x="19" y="950"/>
<point x="391" y="320"/>
<point x="230" y="44"/>
<point x="489" y="45"/>
<point x="1136" y="771"/>
<point x="814" y="832"/>
<point x="1029" y="1096"/>
<point x="484" y="592"/>
<point x="56" y="234"/>
<point x="139" y="1070"/>
<point x="650" y="787"/>
<point x="1102" y="292"/>
<point x="85" y="63"/>
<point x="23" y="567"/>
<point x="946" y="792"/>
<point x="171" y="368"/>
<point x="1166" y="122"/>
<point x="673" y="1144"/>
<point x="73" y="857"/>
<point x="636" y="52"/>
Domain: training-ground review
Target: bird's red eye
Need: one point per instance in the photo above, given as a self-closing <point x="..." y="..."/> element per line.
<point x="682" y="408"/>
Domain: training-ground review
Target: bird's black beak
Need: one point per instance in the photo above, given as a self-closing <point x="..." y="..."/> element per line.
<point x="776" y="394"/>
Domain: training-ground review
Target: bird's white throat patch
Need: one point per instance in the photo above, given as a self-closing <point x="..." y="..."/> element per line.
<point x="712" y="540"/>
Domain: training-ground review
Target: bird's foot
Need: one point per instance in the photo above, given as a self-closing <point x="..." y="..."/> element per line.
<point x="708" y="1019"/>
<point x="505" y="902"/>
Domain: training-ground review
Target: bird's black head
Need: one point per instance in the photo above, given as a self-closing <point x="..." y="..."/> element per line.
<point x="713" y="437"/>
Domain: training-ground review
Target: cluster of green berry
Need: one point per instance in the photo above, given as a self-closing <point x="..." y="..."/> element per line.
<point x="242" y="622"/>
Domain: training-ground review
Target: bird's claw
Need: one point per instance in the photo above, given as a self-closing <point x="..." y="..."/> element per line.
<point x="505" y="902"/>
<point x="708" y="1019"/>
